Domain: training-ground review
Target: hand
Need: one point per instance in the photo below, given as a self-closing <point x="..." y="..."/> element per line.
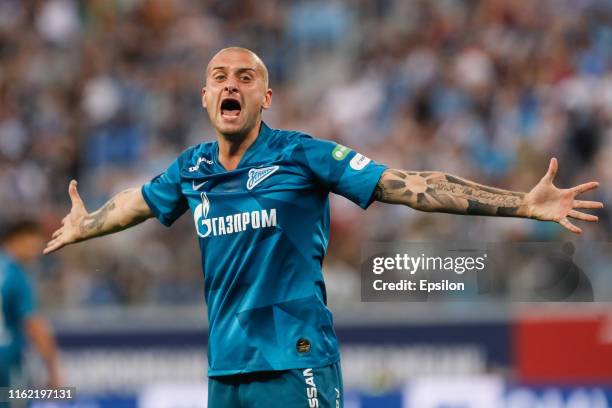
<point x="54" y="380"/>
<point x="549" y="203"/>
<point x="70" y="231"/>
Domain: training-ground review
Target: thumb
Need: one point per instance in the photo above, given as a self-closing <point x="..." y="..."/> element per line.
<point x="74" y="195"/>
<point x="552" y="170"/>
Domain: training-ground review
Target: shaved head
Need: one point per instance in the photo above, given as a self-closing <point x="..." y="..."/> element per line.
<point x="260" y="66"/>
<point x="236" y="92"/>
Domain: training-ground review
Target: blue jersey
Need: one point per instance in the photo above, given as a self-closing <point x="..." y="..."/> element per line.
<point x="18" y="303"/>
<point x="263" y="230"/>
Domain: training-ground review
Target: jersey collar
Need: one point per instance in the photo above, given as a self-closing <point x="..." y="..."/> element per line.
<point x="258" y="145"/>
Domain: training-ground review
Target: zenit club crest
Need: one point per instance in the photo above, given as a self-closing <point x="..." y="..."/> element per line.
<point x="256" y="176"/>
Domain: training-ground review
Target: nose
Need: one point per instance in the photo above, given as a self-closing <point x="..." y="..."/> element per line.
<point x="230" y="86"/>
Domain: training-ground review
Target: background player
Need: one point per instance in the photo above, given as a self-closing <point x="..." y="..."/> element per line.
<point x="247" y="153"/>
<point x="22" y="242"/>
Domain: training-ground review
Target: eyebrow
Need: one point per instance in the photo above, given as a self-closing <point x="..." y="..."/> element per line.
<point x="239" y="69"/>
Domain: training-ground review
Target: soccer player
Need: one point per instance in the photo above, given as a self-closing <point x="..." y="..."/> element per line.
<point x="259" y="200"/>
<point x="22" y="242"/>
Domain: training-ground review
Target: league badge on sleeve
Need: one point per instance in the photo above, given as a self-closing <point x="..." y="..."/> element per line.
<point x="340" y="152"/>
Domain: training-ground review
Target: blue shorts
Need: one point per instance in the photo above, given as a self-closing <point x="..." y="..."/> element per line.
<point x="300" y="388"/>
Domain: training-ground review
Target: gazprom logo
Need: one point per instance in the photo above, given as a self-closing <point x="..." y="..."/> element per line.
<point x="200" y="217"/>
<point x="232" y="223"/>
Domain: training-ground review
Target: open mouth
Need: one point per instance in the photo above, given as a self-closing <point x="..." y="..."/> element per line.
<point x="230" y="107"/>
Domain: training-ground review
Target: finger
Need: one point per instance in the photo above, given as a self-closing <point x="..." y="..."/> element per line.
<point x="57" y="233"/>
<point x="74" y="194"/>
<point x="64" y="220"/>
<point x="53" y="246"/>
<point x="583" y="188"/>
<point x="579" y="215"/>
<point x="51" y="243"/>
<point x="552" y="170"/>
<point x="570" y="226"/>
<point x="587" y="204"/>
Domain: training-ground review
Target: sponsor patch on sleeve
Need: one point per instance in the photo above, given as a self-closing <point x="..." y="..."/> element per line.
<point x="359" y="161"/>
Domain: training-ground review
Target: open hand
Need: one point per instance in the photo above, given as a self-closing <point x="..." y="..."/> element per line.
<point x="548" y="203"/>
<point x="69" y="232"/>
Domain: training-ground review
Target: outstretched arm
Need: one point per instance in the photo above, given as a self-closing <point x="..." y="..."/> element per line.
<point x="440" y="192"/>
<point x="124" y="210"/>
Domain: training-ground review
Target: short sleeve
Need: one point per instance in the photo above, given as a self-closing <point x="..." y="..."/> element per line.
<point x="341" y="170"/>
<point x="24" y="296"/>
<point x="164" y="196"/>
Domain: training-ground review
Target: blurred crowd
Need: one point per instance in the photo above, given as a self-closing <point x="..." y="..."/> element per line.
<point x="108" y="92"/>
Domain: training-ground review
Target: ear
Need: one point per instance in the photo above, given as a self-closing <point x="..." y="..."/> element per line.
<point x="204" y="97"/>
<point x="267" y="99"/>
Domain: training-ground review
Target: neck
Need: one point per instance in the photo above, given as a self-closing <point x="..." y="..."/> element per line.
<point x="14" y="253"/>
<point x="232" y="148"/>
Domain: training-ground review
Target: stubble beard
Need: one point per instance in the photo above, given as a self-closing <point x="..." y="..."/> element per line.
<point x="240" y="134"/>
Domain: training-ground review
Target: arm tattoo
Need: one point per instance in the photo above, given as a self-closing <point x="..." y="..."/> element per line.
<point x="93" y="223"/>
<point x="98" y="222"/>
<point x="441" y="192"/>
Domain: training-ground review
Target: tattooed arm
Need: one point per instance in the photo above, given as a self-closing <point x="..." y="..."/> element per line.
<point x="441" y="192"/>
<point x="124" y="210"/>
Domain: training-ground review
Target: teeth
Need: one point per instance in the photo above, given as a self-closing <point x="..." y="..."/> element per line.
<point x="232" y="112"/>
